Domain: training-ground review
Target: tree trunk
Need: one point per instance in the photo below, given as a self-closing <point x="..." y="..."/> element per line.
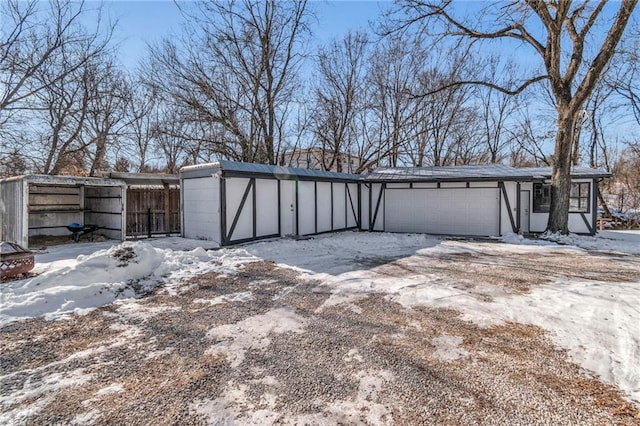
<point x="561" y="173"/>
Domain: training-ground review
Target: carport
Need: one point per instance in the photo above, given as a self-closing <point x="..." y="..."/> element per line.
<point x="40" y="205"/>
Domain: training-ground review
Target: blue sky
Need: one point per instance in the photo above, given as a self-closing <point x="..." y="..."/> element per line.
<point x="142" y="22"/>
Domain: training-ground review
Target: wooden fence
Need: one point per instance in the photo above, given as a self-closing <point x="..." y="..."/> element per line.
<point x="153" y="211"/>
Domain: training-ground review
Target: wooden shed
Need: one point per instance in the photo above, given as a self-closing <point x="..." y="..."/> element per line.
<point x="230" y="202"/>
<point x="41" y="205"/>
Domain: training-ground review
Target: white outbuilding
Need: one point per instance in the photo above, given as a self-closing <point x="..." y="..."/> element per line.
<point x="482" y="200"/>
<point x="231" y="202"/>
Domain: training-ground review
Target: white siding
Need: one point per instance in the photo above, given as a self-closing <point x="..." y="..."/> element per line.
<point x="453" y="184"/>
<point x="425" y="184"/>
<point x="306" y="208"/>
<point x="324" y="206"/>
<point x="266" y="206"/>
<point x="339" y="205"/>
<point x="201" y="208"/>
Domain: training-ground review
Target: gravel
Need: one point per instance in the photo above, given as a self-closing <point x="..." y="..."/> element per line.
<point x="370" y="362"/>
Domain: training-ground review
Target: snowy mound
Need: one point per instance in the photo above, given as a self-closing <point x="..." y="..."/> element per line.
<point x="123" y="271"/>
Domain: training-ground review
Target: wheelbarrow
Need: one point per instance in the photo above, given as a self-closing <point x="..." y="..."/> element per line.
<point x="78" y="231"/>
<point x="14" y="260"/>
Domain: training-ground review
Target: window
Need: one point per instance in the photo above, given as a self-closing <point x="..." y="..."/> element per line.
<point x="579" y="198"/>
<point x="541" y="198"/>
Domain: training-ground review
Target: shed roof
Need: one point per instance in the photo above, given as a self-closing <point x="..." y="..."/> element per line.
<point x="232" y="168"/>
<point x="487" y="172"/>
<point x="144" y="179"/>
<point x="65" y="180"/>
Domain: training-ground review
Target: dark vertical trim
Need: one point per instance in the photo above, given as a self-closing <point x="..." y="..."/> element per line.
<point x="506" y="201"/>
<point x="499" y="212"/>
<point x="315" y="206"/>
<point x="370" y="205"/>
<point x="332" y="206"/>
<point x="518" y="207"/>
<point x="383" y="186"/>
<point x="586" y="222"/>
<point x="279" y="209"/>
<point x="297" y="213"/>
<point x="594" y="206"/>
<point x="410" y="185"/>
<point x="359" y="206"/>
<point x="346" y="210"/>
<point x="240" y="207"/>
<point x="223" y="211"/>
<point x="253" y="207"/>
<point x="468" y="186"/>
<point x="438" y="186"/>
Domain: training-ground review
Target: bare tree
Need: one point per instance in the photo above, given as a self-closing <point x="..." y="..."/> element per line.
<point x="561" y="34"/>
<point x="106" y="114"/>
<point x="395" y="66"/>
<point x="338" y="91"/>
<point x="443" y="116"/>
<point x="236" y="70"/>
<point x="33" y="35"/>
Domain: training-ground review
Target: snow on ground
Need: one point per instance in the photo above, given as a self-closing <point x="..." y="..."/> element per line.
<point x="596" y="321"/>
<point x="77" y="277"/>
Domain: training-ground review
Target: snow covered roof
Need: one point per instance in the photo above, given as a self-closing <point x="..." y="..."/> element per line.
<point x="233" y="168"/>
<point x="65" y="180"/>
<point x="144" y="179"/>
<point x="484" y="172"/>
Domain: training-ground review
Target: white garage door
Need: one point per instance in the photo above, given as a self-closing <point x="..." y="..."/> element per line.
<point x="459" y="211"/>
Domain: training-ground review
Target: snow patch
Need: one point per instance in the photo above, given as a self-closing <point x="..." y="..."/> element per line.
<point x="234" y="407"/>
<point x="253" y="333"/>
<point x="447" y="348"/>
<point x="367" y="407"/>
<point x="243" y="296"/>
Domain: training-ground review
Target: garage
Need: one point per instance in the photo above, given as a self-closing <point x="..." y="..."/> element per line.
<point x="452" y="211"/>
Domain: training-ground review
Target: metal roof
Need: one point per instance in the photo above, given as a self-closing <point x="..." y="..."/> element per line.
<point x="233" y="168"/>
<point x="485" y="172"/>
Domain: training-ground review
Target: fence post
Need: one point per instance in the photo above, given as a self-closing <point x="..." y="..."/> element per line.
<point x="149" y="222"/>
<point x="167" y="209"/>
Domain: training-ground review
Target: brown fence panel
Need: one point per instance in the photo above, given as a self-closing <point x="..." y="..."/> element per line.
<point x="153" y="211"/>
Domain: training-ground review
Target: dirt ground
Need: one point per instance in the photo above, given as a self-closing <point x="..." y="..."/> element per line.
<point x="254" y="348"/>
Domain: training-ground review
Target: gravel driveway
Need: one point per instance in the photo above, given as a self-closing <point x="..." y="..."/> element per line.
<point x="262" y="347"/>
